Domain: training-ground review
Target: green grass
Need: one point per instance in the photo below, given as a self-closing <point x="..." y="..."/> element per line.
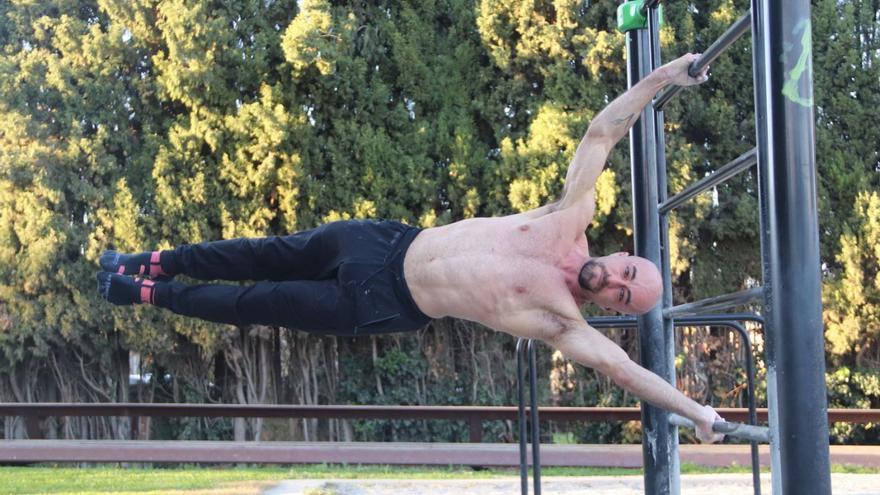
<point x="239" y="481"/>
<point x="847" y="469"/>
<point x="117" y="480"/>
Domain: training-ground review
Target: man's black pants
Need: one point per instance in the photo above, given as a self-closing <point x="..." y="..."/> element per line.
<point x="343" y="278"/>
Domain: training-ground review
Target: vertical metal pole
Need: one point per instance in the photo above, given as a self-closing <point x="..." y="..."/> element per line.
<point x="520" y="394"/>
<point x="789" y="223"/>
<point x="662" y="192"/>
<point x="750" y="396"/>
<point x="759" y="55"/>
<point x="533" y="411"/>
<point x="659" y="451"/>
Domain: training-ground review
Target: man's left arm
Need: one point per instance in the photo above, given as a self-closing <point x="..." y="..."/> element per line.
<point x="586" y="346"/>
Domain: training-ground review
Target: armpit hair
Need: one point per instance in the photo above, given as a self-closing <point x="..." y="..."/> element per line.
<point x="556" y="326"/>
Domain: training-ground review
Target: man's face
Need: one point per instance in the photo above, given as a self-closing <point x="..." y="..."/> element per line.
<point x="628" y="284"/>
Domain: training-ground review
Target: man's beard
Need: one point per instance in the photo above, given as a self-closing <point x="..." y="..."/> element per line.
<point x="593" y="276"/>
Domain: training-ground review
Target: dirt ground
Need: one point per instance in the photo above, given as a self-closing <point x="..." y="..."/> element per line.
<point x="691" y="484"/>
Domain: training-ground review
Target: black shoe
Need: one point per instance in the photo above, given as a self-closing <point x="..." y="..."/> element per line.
<point x="142" y="264"/>
<point x="125" y="291"/>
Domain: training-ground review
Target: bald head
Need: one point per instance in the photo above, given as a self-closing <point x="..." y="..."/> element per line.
<point x="628" y="284"/>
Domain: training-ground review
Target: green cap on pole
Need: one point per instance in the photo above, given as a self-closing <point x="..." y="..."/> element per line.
<point x="631" y="15"/>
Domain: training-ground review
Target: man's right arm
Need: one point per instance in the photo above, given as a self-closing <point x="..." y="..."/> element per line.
<point x="614" y="121"/>
<point x="586" y="346"/>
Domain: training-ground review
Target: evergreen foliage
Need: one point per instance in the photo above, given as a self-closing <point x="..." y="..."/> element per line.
<point x="145" y="124"/>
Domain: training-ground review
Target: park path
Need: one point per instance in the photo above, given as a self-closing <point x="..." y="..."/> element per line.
<point x="691" y="484"/>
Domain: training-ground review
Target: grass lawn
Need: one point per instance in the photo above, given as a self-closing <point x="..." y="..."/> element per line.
<point x="244" y="481"/>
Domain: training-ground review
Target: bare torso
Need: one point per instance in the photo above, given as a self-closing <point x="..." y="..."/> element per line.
<point x="510" y="273"/>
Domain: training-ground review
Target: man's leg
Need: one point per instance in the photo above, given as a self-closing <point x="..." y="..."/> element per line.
<point x="316" y="306"/>
<point x="310" y="254"/>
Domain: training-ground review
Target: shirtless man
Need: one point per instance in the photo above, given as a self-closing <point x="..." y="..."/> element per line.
<point x="525" y="274"/>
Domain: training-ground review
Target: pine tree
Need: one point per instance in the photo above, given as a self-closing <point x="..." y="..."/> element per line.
<point x="846" y="71"/>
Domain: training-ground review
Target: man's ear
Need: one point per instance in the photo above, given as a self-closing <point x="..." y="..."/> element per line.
<point x="620" y="253"/>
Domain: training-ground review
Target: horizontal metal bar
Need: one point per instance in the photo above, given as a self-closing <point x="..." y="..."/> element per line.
<point x="682" y="321"/>
<point x="715" y="303"/>
<point x="743" y="162"/>
<point x="463" y="413"/>
<point x="665" y="96"/>
<point x="733" y="33"/>
<point x="738" y="430"/>
<point x="718" y="319"/>
<point x="729" y="37"/>
<point x="612" y="321"/>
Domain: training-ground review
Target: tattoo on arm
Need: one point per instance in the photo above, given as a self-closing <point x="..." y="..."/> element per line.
<point x="623" y="121"/>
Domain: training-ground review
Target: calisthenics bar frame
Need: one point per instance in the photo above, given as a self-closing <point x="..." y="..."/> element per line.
<point x="791" y="286"/>
<point x="791" y="289"/>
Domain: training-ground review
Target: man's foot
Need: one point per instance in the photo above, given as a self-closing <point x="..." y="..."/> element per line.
<point x="123" y="291"/>
<point x="144" y="264"/>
